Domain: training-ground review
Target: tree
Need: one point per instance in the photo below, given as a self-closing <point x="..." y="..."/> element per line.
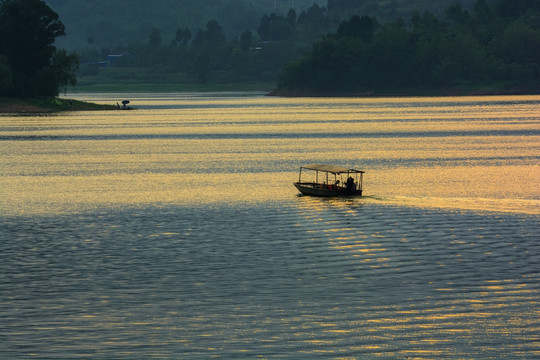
<point x="359" y="27"/>
<point x="246" y="40"/>
<point x="183" y="36"/>
<point x="519" y="49"/>
<point x="28" y="29"/>
<point x="482" y="11"/>
<point x="264" y="28"/>
<point x="455" y="14"/>
<point x="6" y="79"/>
<point x="291" y="18"/>
<point x="211" y="37"/>
<point x="515" y="8"/>
<point x="154" y="38"/>
<point x="63" y="68"/>
<point x="214" y="33"/>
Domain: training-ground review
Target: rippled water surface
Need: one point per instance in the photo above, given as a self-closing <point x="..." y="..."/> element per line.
<point x="174" y="231"/>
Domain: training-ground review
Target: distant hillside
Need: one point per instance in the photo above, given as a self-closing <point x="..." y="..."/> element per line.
<point x="112" y="23"/>
<point x="109" y="23"/>
<point x="388" y="10"/>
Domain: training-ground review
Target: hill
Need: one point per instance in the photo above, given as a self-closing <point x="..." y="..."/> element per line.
<point x="114" y="23"/>
<point x="209" y="44"/>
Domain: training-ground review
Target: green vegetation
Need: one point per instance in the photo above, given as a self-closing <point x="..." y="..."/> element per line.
<point x="496" y="49"/>
<point x="30" y="66"/>
<point x="108" y="24"/>
<point x="471" y="47"/>
<point x="204" y="58"/>
<point x="15" y="105"/>
<point x="136" y="79"/>
<point x="216" y="55"/>
<point x="111" y="23"/>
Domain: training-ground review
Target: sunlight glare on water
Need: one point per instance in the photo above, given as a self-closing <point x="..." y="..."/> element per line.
<point x="228" y="147"/>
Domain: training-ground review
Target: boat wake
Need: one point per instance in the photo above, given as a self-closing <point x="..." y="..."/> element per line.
<point x="518" y="206"/>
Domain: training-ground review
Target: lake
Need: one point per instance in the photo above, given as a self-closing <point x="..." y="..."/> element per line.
<point x="175" y="231"/>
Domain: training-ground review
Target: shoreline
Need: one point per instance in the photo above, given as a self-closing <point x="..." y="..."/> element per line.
<point x="407" y="93"/>
<point x="22" y="106"/>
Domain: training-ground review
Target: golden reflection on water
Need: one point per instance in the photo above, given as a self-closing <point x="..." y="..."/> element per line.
<point x="444" y="152"/>
<point x="469" y="315"/>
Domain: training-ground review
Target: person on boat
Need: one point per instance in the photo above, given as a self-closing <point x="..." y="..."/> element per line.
<point x="350" y="185"/>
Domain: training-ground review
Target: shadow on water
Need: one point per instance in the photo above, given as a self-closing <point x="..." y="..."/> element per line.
<point x="363" y="279"/>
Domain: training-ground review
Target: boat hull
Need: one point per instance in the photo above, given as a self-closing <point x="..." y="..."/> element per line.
<point x="312" y="189"/>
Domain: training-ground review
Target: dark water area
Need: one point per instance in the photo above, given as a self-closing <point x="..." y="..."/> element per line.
<point x="306" y="279"/>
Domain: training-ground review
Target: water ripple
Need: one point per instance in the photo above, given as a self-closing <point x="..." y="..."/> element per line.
<point x="312" y="279"/>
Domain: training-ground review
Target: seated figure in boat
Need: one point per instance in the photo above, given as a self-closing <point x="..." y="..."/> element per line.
<point x="350" y="185"/>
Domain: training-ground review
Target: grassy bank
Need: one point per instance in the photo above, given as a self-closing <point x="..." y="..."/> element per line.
<point x="117" y="79"/>
<point x="12" y="105"/>
<point x="157" y="88"/>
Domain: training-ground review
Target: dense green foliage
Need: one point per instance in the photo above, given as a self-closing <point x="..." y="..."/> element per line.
<point x="206" y="56"/>
<point x="497" y="45"/>
<point x="42" y="105"/>
<point x="111" y="23"/>
<point x="250" y="52"/>
<point x="345" y="47"/>
<point x="30" y="65"/>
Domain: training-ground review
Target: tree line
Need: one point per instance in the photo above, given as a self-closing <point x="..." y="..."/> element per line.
<point x="206" y="56"/>
<point x="487" y="45"/>
<point x="492" y="44"/>
<point x="109" y="23"/>
<point x="496" y="45"/>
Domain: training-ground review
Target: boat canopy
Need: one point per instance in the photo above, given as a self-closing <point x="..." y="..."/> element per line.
<point x="333" y="169"/>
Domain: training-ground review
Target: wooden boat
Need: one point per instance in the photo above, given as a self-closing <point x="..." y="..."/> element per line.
<point x="330" y="181"/>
